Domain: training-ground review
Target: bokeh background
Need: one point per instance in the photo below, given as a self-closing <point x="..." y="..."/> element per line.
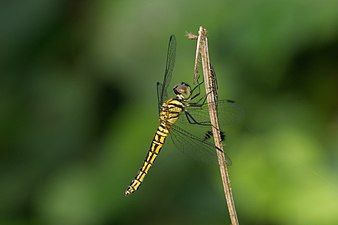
<point x="78" y="109"/>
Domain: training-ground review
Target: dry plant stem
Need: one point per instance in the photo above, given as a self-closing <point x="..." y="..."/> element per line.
<point x="191" y="36"/>
<point x="198" y="52"/>
<point x="202" y="48"/>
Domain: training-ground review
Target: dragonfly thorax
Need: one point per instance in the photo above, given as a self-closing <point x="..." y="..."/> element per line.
<point x="182" y="91"/>
<point x="170" y="111"/>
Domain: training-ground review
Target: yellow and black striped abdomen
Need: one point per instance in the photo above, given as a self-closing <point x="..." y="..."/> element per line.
<point x="169" y="114"/>
<point x="155" y="148"/>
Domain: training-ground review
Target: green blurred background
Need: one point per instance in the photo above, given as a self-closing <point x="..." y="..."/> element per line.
<point x="78" y="110"/>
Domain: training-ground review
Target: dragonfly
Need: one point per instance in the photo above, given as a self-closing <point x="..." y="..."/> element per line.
<point x="188" y="107"/>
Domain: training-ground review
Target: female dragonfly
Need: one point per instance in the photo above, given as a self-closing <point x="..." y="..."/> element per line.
<point x="170" y="110"/>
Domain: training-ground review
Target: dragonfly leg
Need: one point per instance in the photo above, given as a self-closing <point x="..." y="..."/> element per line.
<point x="213" y="74"/>
<point x="197" y="103"/>
<point x="199" y="90"/>
<point x="192" y="120"/>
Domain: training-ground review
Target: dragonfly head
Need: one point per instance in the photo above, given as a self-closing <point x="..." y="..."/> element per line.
<point x="182" y="90"/>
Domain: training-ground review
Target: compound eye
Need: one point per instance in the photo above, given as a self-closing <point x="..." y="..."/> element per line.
<point x="181" y="89"/>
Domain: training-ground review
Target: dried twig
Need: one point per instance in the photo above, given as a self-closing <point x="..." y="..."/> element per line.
<point x="202" y="51"/>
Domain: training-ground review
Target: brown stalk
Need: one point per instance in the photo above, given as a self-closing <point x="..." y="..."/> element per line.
<point x="203" y="52"/>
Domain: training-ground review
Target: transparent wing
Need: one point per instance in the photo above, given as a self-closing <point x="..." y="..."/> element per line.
<point x="170" y="63"/>
<point x="228" y="112"/>
<point x="215" y="84"/>
<point x="196" y="145"/>
<point x="196" y="138"/>
<point x="159" y="97"/>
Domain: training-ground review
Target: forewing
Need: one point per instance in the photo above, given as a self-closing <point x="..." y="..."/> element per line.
<point x="227" y="110"/>
<point x="214" y="83"/>
<point x="170" y="63"/>
<point x="159" y="97"/>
